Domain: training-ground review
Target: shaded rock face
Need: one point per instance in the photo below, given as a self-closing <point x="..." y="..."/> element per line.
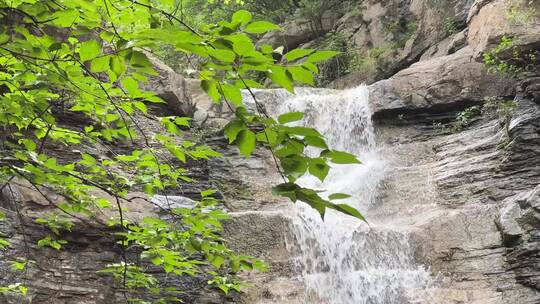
<point x="489" y="21"/>
<point x="300" y="31"/>
<point x="172" y="88"/>
<point x="474" y="189"/>
<point x="71" y="274"/>
<point x="434" y="83"/>
<point x="386" y="36"/>
<point x="471" y="199"/>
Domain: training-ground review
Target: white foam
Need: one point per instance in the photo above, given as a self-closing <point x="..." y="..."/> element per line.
<point x="342" y="260"/>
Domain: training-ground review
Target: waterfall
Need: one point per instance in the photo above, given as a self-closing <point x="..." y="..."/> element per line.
<point x="341" y="259"/>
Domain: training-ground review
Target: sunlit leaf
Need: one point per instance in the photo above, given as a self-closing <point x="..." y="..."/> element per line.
<point x="260" y="27"/>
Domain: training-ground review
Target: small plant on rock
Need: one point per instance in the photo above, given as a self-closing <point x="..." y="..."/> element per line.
<point x="508" y="59"/>
<point x="451" y="26"/>
<point x="464" y="118"/>
<point x="505" y="110"/>
<point x="523" y="11"/>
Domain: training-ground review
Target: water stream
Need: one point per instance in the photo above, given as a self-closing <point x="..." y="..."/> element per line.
<point x="343" y="260"/>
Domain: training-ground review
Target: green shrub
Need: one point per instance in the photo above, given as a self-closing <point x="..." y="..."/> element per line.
<point x="504" y="109"/>
<point x="508" y="59"/>
<point x="451" y="26"/>
<point x="346" y="62"/>
<point x="523" y="11"/>
<point x="465" y="117"/>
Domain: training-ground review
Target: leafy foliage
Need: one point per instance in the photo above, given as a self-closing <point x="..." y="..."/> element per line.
<point x="504" y="109"/>
<point x="523" y="11"/>
<point x="464" y="118"/>
<point x="91" y="57"/>
<point x="508" y="59"/>
<point x="451" y="26"/>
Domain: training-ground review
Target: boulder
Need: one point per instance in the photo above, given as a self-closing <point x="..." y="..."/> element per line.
<point x="300" y="30"/>
<point x="391" y="35"/>
<point x="172" y="88"/>
<point x="490" y="20"/>
<point x="437" y="83"/>
<point x="519" y="215"/>
<point x="447" y="46"/>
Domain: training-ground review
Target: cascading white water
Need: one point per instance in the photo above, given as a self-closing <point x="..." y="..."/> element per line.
<point x="343" y="260"/>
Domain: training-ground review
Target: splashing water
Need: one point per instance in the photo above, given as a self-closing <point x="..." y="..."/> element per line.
<point x="343" y="260"/>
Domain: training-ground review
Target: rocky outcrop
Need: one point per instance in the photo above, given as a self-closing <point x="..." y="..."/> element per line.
<point x="383" y="37"/>
<point x="302" y="30"/>
<point x="470" y="197"/>
<point x="172" y="88"/>
<point x="489" y="21"/>
<point x="519" y="223"/>
<point x="437" y="83"/>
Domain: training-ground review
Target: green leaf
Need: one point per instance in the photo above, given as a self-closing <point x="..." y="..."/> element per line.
<point x="211" y="88"/>
<point x="294" y="165"/>
<point x="268" y="136"/>
<point x="232" y="94"/>
<point x="18" y="265"/>
<point x="321" y="56"/>
<point x="232" y="129"/>
<point x="141" y="106"/>
<point x="107" y="36"/>
<point x="130" y="84"/>
<point x="315" y="141"/>
<point x="242" y="17"/>
<point x="290" y="117"/>
<point x="222" y="55"/>
<point x="117" y="65"/>
<point x="4" y="38"/>
<point x="298" y="53"/>
<point x="248" y="84"/>
<point x="337" y="196"/>
<point x="340" y="157"/>
<point x="64" y="17"/>
<point x="344" y="208"/>
<point x="30" y="145"/>
<point x="23" y="290"/>
<point x="217" y="261"/>
<point x="139" y="60"/>
<point x="302" y="75"/>
<point x="311" y="198"/>
<point x="310" y="66"/>
<point x="245" y="48"/>
<point x="318" y="168"/>
<point x="286" y="190"/>
<point x="182" y="121"/>
<point x="103" y="203"/>
<point x="260" y="27"/>
<point x="281" y="77"/>
<point x="208" y="192"/>
<point x="87" y="160"/>
<point x="266" y="49"/>
<point x="303" y="131"/>
<point x="100" y="64"/>
<point x="89" y="50"/>
<point x="246" y="142"/>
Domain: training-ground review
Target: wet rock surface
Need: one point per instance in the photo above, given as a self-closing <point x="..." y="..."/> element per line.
<point x="470" y="195"/>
